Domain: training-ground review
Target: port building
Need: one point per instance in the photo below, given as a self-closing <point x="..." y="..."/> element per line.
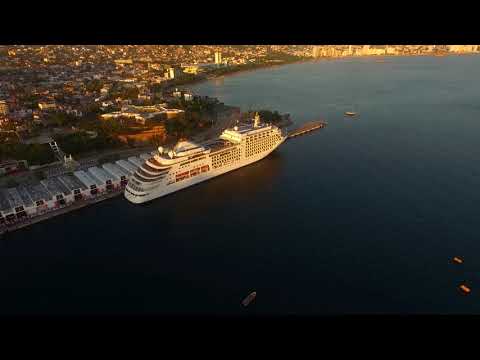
<point x="28" y="205"/>
<point x="60" y="193"/>
<point x="136" y="161"/>
<point x="116" y="171"/>
<point x="16" y="202"/>
<point x="127" y="166"/>
<point x="78" y="189"/>
<point x="6" y="209"/>
<point x="41" y="198"/>
<point x="93" y="185"/>
<point x="110" y="181"/>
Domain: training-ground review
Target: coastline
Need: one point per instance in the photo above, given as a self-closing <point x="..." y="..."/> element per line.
<point x="210" y="77"/>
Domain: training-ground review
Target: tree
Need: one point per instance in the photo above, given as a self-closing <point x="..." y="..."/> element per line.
<point x="35" y="154"/>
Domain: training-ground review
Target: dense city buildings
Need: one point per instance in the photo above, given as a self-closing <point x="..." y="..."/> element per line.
<point x="3" y="108"/>
<point x="103" y="96"/>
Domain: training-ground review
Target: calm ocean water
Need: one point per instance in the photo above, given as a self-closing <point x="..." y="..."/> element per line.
<point x="361" y="217"/>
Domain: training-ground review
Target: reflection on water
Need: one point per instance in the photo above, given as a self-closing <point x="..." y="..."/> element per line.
<point x="219" y="81"/>
<point x="234" y="187"/>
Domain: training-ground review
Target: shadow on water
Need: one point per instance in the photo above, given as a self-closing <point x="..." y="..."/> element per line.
<point x="243" y="184"/>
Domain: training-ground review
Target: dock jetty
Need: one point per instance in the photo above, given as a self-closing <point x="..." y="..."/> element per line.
<point x="306" y="128"/>
<point x="30" y="220"/>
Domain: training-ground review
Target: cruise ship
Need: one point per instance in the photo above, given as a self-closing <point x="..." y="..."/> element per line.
<point x="188" y="163"/>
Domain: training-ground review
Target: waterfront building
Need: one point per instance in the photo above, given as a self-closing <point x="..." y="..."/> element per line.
<point x="192" y="69"/>
<point x="173" y="73"/>
<point x="93" y="185"/>
<point x="137" y="162"/>
<point x="78" y="189"/>
<point x="218" y="57"/>
<point x="115" y="170"/>
<point x="61" y="194"/>
<point x="109" y="181"/>
<point x="16" y="202"/>
<point x="28" y="205"/>
<point x="462" y="48"/>
<point x="41" y="198"/>
<point x="127" y="166"/>
<point x="3" y="108"/>
<point x="6" y="211"/>
<point x="142" y="114"/>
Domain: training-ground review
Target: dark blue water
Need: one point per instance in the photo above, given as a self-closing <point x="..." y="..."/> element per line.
<point x="361" y="217"/>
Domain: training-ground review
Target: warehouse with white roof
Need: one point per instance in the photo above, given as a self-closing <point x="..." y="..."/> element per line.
<point x="93" y="184"/>
<point x="16" y="202"/>
<point x="28" y="204"/>
<point x="61" y="194"/>
<point x="41" y="198"/>
<point x="74" y="185"/>
<point x="127" y="166"/>
<point x="117" y="171"/>
<point x="111" y="181"/>
<point x="6" y="209"/>
<point x="136" y="161"/>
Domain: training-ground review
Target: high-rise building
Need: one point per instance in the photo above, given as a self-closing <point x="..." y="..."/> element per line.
<point x="218" y="57"/>
<point x="173" y="73"/>
<point x="3" y="108"/>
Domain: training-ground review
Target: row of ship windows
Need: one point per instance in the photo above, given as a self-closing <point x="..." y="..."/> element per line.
<point x="227" y="158"/>
<point x="270" y="136"/>
<point x="258" y="149"/>
<point x="192" y="161"/>
<point x="190" y="173"/>
<point x="259" y="136"/>
<point x="263" y="143"/>
<point x="224" y="162"/>
<point x="134" y="187"/>
<point x="226" y="153"/>
<point x="269" y="143"/>
<point x="126" y="189"/>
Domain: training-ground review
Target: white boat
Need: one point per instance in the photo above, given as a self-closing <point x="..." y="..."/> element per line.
<point x="189" y="163"/>
<point x="350" y="113"/>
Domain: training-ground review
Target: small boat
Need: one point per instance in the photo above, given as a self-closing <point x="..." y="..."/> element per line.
<point x="464" y="289"/>
<point x="457" y="260"/>
<point x="350" y="113"/>
<point x="249" y="298"/>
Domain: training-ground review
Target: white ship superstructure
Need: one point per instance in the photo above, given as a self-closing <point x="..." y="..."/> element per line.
<point x="188" y="163"/>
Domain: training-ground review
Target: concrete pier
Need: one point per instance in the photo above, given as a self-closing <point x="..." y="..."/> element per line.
<point x="52" y="213"/>
<point x="306" y="128"/>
